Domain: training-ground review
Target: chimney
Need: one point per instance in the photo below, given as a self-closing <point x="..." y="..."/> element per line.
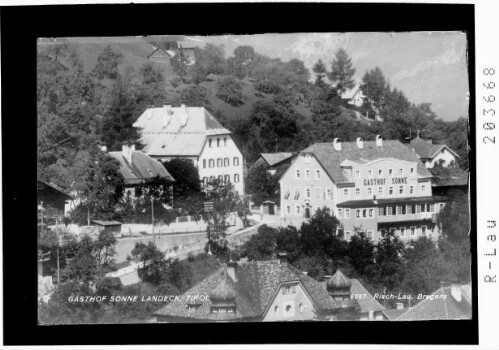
<point x="455" y="290"/>
<point x="360" y="142"/>
<point x="167" y="116"/>
<point x="183" y="114"/>
<point x="103" y="148"/>
<point x="400" y="306"/>
<point x="127" y="151"/>
<point x="337" y="144"/>
<point x="232" y="270"/>
<point x="283" y="257"/>
<point x="379" y="141"/>
<point x="429" y="140"/>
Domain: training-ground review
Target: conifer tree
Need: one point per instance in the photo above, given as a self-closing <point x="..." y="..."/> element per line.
<point x="342" y="71"/>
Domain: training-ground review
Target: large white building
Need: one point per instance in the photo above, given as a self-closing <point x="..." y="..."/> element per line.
<point x="192" y="133"/>
<point x="372" y="186"/>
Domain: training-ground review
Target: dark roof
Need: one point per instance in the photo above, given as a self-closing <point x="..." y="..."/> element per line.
<point x="53" y="188"/>
<point x="331" y="160"/>
<point x="441" y="309"/>
<point x="393" y="314"/>
<point x="425" y="149"/>
<point x="141" y="168"/>
<point x="106" y="223"/>
<point x="258" y="281"/>
<point x="456" y="177"/>
<point x="368" y="303"/>
<point x="365" y="203"/>
<point x="273" y="159"/>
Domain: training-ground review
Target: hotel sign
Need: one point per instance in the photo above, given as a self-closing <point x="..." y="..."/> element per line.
<point x="395" y="181"/>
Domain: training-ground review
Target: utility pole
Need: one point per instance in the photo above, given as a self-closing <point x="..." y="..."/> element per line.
<point x="152" y="219"/>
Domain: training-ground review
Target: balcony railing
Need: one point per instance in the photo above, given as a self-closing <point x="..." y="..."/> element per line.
<point x="406" y="217"/>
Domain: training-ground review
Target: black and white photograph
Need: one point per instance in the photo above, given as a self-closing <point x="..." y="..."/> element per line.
<point x="253" y="178"/>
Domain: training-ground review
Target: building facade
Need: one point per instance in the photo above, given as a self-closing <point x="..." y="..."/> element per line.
<point x="372" y="186"/>
<point x="432" y="154"/>
<point x="192" y="133"/>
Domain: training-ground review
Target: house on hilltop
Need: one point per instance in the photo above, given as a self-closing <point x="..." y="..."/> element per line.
<point x="431" y="154"/>
<point x="137" y="167"/>
<point x="192" y="133"/>
<point x="270" y="291"/>
<point x="162" y="56"/>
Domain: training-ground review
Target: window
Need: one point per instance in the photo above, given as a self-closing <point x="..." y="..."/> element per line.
<point x="347" y="213"/>
<point x="408" y="209"/>
<point x="347" y="235"/>
<point x="289" y="290"/>
<point x="369" y="191"/>
<point x="418" y="208"/>
<point x="432" y="208"/>
<point x="209" y="142"/>
<point x="226" y="162"/>
<point x="357" y="192"/>
<point x="297" y="174"/>
<point x="288" y="210"/>
<point x="380" y="191"/>
<point x="340" y="213"/>
<point x="423" y="189"/>
<point x="381" y="211"/>
<point x="401" y="172"/>
<point x="219" y="162"/>
<point x="423" y="230"/>
<point x="390" y="172"/>
<point x="364" y="213"/>
<point x="235" y="161"/>
<point x="218" y="141"/>
<point x="211" y="163"/>
<point x="317" y="192"/>
<point x="297" y="192"/>
<point x="399" y="209"/>
<point x="389" y="211"/>
<point x="226" y="178"/>
<point x="225" y="142"/>
<point x="371" y="213"/>
<point x="412" y="171"/>
<point x="413" y="230"/>
<point x="402" y="231"/>
<point x="204" y="163"/>
<point x="423" y="208"/>
<point x="276" y="308"/>
<point x="411" y="189"/>
<point x="236" y="178"/>
<point x="307" y="174"/>
<point x="357" y="213"/>
<point x="401" y="189"/>
<point x="317" y="174"/>
<point x="346" y="193"/>
<point x="297" y="210"/>
<point x="357" y="174"/>
<point x="390" y="191"/>
<point x="308" y="192"/>
<point x="380" y="173"/>
<point x="370" y="174"/>
<point x="329" y="193"/>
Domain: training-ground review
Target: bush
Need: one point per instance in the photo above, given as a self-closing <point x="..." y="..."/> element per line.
<point x="267" y="87"/>
<point x="191" y="257"/>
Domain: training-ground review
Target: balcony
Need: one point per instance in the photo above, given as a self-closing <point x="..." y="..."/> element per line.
<point x="406" y="217"/>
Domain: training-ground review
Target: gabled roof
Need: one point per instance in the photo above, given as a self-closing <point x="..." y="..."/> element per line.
<point x="331" y="160"/>
<point x="273" y="159"/>
<point x="141" y="168"/>
<point x="160" y="49"/>
<point x="181" y="133"/>
<point x="425" y="149"/>
<point x="441" y="309"/>
<point x="258" y="281"/>
<point x="54" y="189"/>
<point x="350" y="93"/>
